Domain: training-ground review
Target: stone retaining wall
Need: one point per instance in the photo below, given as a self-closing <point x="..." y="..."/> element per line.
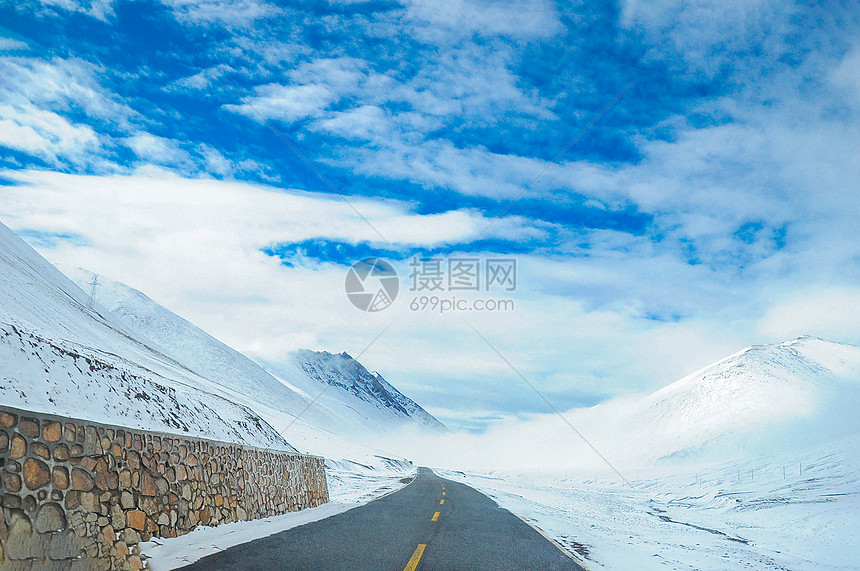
<point x="82" y="495"/>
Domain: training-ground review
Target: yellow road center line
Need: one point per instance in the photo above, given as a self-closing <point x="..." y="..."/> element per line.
<point x="435" y="516"/>
<point x="443" y="493"/>
<point x="416" y="557"/>
<point x="441" y="501"/>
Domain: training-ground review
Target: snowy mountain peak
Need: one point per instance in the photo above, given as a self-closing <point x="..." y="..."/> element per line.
<point x="280" y="393"/>
<point x="807" y="386"/>
<point x="49" y="328"/>
<point x="347" y="374"/>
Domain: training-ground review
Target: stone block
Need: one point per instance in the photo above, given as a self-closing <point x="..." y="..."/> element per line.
<point x="126" y="500"/>
<point x="7" y="420"/>
<point x="12" y="482"/>
<point x="71" y="432"/>
<point x="63" y="546"/>
<point x="130" y="536"/>
<point x="60" y="477"/>
<point x="41" y="450"/>
<point x="149" y="504"/>
<point x="81" y="480"/>
<point x="92" y="445"/>
<point x="108" y="533"/>
<point x="105" y="483"/>
<point x="18" y="448"/>
<point x="205" y="516"/>
<point x="52" y="431"/>
<point x="105" y="478"/>
<point x="90" y="502"/>
<point x="73" y="500"/>
<point x="29" y="427"/>
<point x="147" y="484"/>
<point x="117" y="517"/>
<point x="50" y="518"/>
<point x="61" y="452"/>
<point x="136" y="519"/>
<point x="12" y="501"/>
<point x="36" y="473"/>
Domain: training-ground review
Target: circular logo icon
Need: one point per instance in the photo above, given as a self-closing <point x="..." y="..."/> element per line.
<point x="372" y="284"/>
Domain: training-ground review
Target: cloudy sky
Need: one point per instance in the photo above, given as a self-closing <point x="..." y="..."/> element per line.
<point x="232" y="159"/>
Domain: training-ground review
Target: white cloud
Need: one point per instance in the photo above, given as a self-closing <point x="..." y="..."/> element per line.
<point x="215" y="162"/>
<point x="47" y="135"/>
<point x="12" y="45"/>
<point x="194" y="246"/>
<point x="62" y="85"/>
<point x="366" y="122"/>
<point x="202" y="80"/>
<point x="99" y="9"/>
<point x="157" y="150"/>
<point x="846" y="76"/>
<point x="704" y="37"/>
<point x="285" y="103"/>
<point x="308" y="90"/>
<point x="828" y="312"/>
<point x="233" y="13"/>
<point x="36" y="96"/>
<point x="517" y="19"/>
<point x="439" y="164"/>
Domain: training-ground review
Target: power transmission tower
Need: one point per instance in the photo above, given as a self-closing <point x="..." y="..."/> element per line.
<point x="93" y="285"/>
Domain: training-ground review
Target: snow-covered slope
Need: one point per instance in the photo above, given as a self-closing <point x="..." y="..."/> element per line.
<point x="226" y="371"/>
<point x="348" y="376"/>
<point x="799" y="392"/>
<point x="766" y="398"/>
<point x="791" y="509"/>
<point x="61" y="354"/>
<point x="781" y="396"/>
<point x="359" y="402"/>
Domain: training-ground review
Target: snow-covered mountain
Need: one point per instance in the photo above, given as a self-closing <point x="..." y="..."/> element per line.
<point x="349" y="376"/>
<point x="767" y="397"/>
<point x="779" y="397"/>
<point x="61" y="353"/>
<point x="361" y="402"/>
<point x="137" y="364"/>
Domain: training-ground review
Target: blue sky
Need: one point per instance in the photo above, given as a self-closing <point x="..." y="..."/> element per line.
<point x="712" y="207"/>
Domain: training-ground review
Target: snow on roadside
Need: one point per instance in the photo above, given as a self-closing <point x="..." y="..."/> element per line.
<point x="180" y="551"/>
<point x="732" y="516"/>
<point x="350" y="486"/>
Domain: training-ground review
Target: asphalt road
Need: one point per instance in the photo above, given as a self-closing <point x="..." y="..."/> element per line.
<point x="432" y="523"/>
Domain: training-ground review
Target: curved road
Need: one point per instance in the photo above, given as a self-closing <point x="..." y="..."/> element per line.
<point x="431" y="523"/>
